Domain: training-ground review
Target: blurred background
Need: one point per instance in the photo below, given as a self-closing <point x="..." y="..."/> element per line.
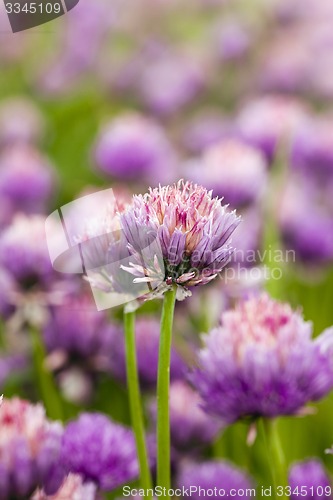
<point x="233" y="95"/>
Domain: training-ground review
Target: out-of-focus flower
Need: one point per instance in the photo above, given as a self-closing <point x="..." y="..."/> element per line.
<point x="29" y="450"/>
<point x="27" y="180"/>
<point x="285" y="64"/>
<point x="79" y="341"/>
<point x="310" y="237"/>
<point x="235" y="171"/>
<point x="190" y="426"/>
<point x="312" y="150"/>
<point x="262" y="361"/>
<point x="23" y="251"/>
<point x="311" y="478"/>
<point x="72" y="488"/>
<point x="16" y="45"/>
<point x="11" y="364"/>
<point x="100" y="451"/>
<point x="20" y="122"/>
<point x="81" y="333"/>
<point x="147" y="332"/>
<point x="7" y="292"/>
<point x="232" y="40"/>
<point x="170" y="82"/>
<point x="248" y="239"/>
<point x="135" y="147"/>
<point x="267" y="122"/>
<point x="213" y="475"/>
<point x="82" y="38"/>
<point x="205" y="129"/>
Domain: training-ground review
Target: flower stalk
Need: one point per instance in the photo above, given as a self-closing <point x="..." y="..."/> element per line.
<point x="275" y="456"/>
<point x="47" y="387"/>
<point x="135" y="401"/>
<point x="163" y="386"/>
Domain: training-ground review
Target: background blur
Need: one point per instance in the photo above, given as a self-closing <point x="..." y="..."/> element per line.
<point x="234" y="95"/>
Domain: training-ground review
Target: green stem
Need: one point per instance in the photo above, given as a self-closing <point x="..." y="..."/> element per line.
<point x="163" y="383"/>
<point x="47" y="387"/>
<point x="276" y="457"/>
<point x="135" y="401"/>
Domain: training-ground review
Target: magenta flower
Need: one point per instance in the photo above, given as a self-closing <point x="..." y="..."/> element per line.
<point x="262" y="361"/>
<point x="30" y="448"/>
<point x="190" y="227"/>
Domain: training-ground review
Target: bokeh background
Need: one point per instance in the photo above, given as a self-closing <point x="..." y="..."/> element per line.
<point x="234" y="95"/>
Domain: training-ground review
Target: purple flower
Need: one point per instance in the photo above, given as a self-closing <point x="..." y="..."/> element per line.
<point x="190" y="426"/>
<point x="192" y="230"/>
<point x="7" y="293"/>
<point x="266" y="121"/>
<point x="24" y="253"/>
<point x="206" y="129"/>
<point x="79" y="341"/>
<point x="312" y="150"/>
<point x="233" y="40"/>
<point x="20" y="122"/>
<point x="147" y="332"/>
<point x="81" y="333"/>
<point x="72" y="488"/>
<point x="262" y="361"/>
<point x="235" y="171"/>
<point x="285" y="65"/>
<point x="133" y="147"/>
<point x="214" y="478"/>
<point x="82" y="39"/>
<point x="27" y="180"/>
<point x="11" y="364"/>
<point x="100" y="451"/>
<point x="248" y="238"/>
<point x="311" y="478"/>
<point x="170" y="81"/>
<point x="29" y="450"/>
<point x="310" y="237"/>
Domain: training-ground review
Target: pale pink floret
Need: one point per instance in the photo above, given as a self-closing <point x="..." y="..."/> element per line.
<point x="30" y="447"/>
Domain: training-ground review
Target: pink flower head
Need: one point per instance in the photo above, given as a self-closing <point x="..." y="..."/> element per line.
<point x="29" y="450"/>
<point x="262" y="361"/>
<point x="191" y="228"/>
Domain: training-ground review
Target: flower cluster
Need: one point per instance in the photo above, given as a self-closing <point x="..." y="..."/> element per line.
<point x="100" y="451"/>
<point x="30" y="449"/>
<point x="191" y="227"/>
<point x="262" y="361"/>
